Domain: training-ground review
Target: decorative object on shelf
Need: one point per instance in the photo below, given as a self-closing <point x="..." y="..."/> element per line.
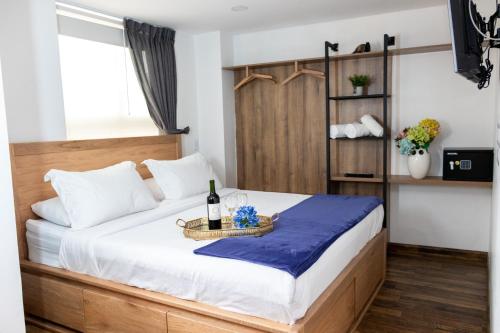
<point x="356" y="130"/>
<point x="246" y="217"/>
<point x="359" y="175"/>
<point x="338" y="131"/>
<point x="375" y="128"/>
<point x="369" y="128"/>
<point x="362" y="48"/>
<point x="358" y="83"/>
<point x="419" y="163"/>
<point x="414" y="142"/>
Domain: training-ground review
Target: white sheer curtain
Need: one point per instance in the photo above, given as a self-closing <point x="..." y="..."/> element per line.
<point x="102" y="97"/>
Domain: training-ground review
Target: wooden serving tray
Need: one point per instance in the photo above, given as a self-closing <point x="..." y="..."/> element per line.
<point x="197" y="229"/>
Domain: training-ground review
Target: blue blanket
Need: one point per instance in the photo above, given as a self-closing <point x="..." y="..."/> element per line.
<point x="301" y="235"/>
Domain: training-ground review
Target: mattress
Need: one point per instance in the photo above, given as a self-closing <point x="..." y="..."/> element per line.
<point x="44" y="240"/>
<point x="149" y="251"/>
<point x="44" y="237"/>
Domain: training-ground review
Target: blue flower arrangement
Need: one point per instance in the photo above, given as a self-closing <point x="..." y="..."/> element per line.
<point x="246" y="217"/>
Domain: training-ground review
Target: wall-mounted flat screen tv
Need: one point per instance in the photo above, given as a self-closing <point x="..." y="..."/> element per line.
<point x="466" y="40"/>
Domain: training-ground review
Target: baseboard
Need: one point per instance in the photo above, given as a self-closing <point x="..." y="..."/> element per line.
<point x="421" y="250"/>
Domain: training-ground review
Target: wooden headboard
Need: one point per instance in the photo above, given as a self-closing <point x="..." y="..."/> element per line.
<point x="31" y="161"/>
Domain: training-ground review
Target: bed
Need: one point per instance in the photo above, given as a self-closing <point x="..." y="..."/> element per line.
<point x="120" y="297"/>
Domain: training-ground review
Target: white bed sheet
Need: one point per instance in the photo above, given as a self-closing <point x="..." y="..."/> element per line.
<point x="44" y="237"/>
<point x="148" y="250"/>
<point x="44" y="241"/>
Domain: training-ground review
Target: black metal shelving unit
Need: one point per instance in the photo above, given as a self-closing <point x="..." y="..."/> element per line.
<point x="388" y="41"/>
<point x="361" y="138"/>
<point x="333" y="47"/>
<point x="340" y="98"/>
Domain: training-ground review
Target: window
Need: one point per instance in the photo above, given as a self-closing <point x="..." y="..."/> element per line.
<point x="102" y="96"/>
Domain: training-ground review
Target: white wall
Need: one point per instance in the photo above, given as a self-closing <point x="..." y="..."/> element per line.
<point x="494" y="256"/>
<point x="209" y="98"/>
<point x="216" y="117"/>
<point x="441" y="216"/>
<point x="11" y="303"/>
<point x="413" y="28"/>
<point x="187" y="107"/>
<point x="423" y="86"/>
<point x="33" y="89"/>
<point x="229" y="112"/>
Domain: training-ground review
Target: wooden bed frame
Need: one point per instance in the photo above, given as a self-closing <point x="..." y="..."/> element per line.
<point x="60" y="301"/>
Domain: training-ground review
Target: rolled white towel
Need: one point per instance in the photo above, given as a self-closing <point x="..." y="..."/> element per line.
<point x="356" y="130"/>
<point x="375" y="128"/>
<point x="337" y="131"/>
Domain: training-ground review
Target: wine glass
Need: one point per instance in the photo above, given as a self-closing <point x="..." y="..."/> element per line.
<point x="242" y="199"/>
<point x="231" y="203"/>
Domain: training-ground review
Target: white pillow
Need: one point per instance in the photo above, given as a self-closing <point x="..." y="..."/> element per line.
<point x="183" y="178"/>
<point x="155" y="189"/>
<point x="93" y="197"/>
<point x="52" y="210"/>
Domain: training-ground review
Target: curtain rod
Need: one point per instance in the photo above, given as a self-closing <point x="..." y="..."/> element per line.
<point x="88" y="15"/>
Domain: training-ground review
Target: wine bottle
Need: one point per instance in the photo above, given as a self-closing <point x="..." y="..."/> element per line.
<point x="213" y="208"/>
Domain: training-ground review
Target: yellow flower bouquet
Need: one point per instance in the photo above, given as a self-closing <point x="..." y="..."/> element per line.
<point x="420" y="136"/>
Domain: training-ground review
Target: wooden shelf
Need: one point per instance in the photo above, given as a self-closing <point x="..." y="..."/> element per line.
<point x="341" y="98"/>
<point x="436" y="181"/>
<point x="349" y="56"/>
<point x="408" y="180"/>
<point x="360" y="138"/>
<point x="341" y="178"/>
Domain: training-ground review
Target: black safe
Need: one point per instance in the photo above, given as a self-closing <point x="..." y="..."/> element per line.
<point x="473" y="164"/>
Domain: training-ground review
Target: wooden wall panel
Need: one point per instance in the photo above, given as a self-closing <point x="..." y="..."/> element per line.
<point x="358" y="188"/>
<point x="281" y="133"/>
<point x="281" y="129"/>
<point x="358" y="156"/>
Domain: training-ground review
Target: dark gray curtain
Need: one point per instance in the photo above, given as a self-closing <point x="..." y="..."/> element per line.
<point x="153" y="56"/>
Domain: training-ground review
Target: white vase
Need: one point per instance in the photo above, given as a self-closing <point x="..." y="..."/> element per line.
<point x="419" y="164"/>
<point x="358" y="91"/>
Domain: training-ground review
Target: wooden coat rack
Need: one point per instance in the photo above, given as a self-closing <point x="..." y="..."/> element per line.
<point x="303" y="71"/>
<point x="251" y="77"/>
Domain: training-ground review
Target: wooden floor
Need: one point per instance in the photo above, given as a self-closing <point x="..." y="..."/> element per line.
<point x="427" y="290"/>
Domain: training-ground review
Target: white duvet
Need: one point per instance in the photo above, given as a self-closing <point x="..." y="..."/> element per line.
<point x="149" y="251"/>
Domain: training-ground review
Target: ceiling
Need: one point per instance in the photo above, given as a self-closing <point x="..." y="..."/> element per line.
<point x="210" y="15"/>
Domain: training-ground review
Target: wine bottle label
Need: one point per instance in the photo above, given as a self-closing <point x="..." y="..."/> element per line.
<point x="214" y="212"/>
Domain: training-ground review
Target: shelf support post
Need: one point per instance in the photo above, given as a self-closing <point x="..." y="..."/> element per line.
<point x="388" y="41"/>
<point x="334" y="47"/>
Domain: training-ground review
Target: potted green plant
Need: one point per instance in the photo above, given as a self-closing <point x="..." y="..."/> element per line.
<point x="358" y="83"/>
